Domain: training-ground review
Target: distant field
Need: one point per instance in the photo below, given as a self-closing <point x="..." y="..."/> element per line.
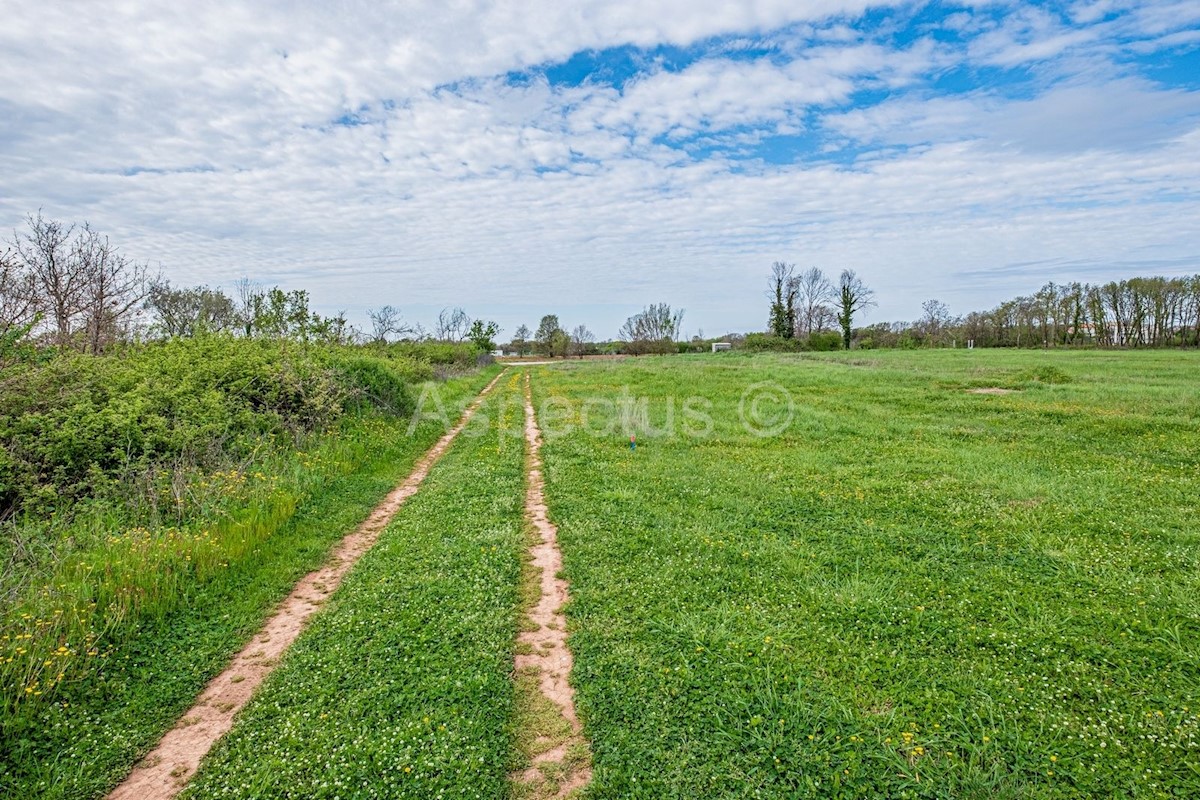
<point x="911" y="590"/>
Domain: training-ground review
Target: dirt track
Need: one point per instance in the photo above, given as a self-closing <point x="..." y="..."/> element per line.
<point x="545" y="653"/>
<point x="167" y="768"/>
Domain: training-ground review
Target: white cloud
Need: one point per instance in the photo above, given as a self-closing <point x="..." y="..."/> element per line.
<point x="203" y="137"/>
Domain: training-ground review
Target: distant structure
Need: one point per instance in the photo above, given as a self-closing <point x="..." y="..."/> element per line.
<point x="719" y="346"/>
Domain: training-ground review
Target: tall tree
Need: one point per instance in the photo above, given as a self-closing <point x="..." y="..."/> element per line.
<point x="935" y="317"/>
<point x="18" y="297"/>
<point x="782" y="293"/>
<point x="113" y="289"/>
<point x="814" y="292"/>
<point x="548" y="336"/>
<point x="483" y="334"/>
<point x="59" y="279"/>
<point x="581" y="339"/>
<point x="853" y="297"/>
<point x="520" y="341"/>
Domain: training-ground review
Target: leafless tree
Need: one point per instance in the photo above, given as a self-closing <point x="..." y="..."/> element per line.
<point x="247" y="294"/>
<point x="935" y="318"/>
<point x="452" y="325"/>
<point x="112" y="291"/>
<point x="814" y="292"/>
<point x="387" y="322"/>
<point x="581" y="338"/>
<point x="18" y="295"/>
<point x="59" y="280"/>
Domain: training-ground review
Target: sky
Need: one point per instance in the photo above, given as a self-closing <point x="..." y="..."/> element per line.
<point x="587" y="158"/>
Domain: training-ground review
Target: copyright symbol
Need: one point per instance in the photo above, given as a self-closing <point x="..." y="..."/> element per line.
<point x="766" y="409"/>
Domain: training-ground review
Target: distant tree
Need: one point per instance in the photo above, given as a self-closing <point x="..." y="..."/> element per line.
<point x="814" y="292"/>
<point x="581" y="339"/>
<point x="385" y="322"/>
<point x="18" y="297"/>
<point x="453" y="325"/>
<point x="246" y="292"/>
<point x="520" y="341"/>
<point x="935" y="317"/>
<point x="782" y="292"/>
<point x="113" y="289"/>
<point x="59" y="279"/>
<point x="86" y="289"/>
<point x="853" y="297"/>
<point x="483" y="334"/>
<point x="190" y="311"/>
<point x="547" y="337"/>
<point x="652" y="330"/>
<point x="560" y="343"/>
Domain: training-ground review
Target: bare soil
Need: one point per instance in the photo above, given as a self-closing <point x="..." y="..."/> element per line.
<point x="167" y="768"/>
<point x="991" y="390"/>
<point x="561" y="765"/>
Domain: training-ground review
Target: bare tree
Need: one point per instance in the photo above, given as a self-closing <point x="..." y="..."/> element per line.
<point x="581" y="339"/>
<point x="386" y="322"/>
<point x="652" y="330"/>
<point x="935" y="318"/>
<point x="59" y="280"/>
<point x="113" y="289"/>
<point x="814" y="292"/>
<point x="248" y="295"/>
<point x="452" y="325"/>
<point x="853" y="297"/>
<point x="18" y="296"/>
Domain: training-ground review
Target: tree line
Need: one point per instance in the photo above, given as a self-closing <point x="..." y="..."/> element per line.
<point x="69" y="287"/>
<point x="806" y="307"/>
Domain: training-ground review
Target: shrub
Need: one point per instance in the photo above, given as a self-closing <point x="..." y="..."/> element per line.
<point x="825" y="341"/>
<point x="75" y="424"/>
<point x="767" y="341"/>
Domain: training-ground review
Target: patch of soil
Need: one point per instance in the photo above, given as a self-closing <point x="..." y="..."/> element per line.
<point x="560" y="763"/>
<point x="164" y="771"/>
<point x="991" y="390"/>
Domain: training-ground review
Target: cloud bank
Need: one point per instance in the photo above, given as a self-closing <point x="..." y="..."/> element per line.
<point x="588" y="158"/>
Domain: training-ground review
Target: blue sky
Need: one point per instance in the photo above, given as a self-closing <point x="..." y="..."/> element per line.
<point x="586" y="159"/>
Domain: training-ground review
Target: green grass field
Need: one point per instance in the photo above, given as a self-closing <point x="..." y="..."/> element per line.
<point x="845" y="575"/>
<point x="912" y="591"/>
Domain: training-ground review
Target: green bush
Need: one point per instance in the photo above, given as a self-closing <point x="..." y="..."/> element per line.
<point x="451" y="354"/>
<point x="767" y="341"/>
<point x="825" y="341"/>
<point x="73" y="425"/>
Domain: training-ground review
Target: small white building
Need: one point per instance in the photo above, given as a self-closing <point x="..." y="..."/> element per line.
<point x="719" y="346"/>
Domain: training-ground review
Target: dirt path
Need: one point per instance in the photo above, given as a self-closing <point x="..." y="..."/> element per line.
<point x="166" y="770"/>
<point x="549" y="730"/>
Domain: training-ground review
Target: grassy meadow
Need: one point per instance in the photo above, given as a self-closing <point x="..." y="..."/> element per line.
<point x="113" y="626"/>
<point x="911" y="590"/>
<point x="933" y="574"/>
